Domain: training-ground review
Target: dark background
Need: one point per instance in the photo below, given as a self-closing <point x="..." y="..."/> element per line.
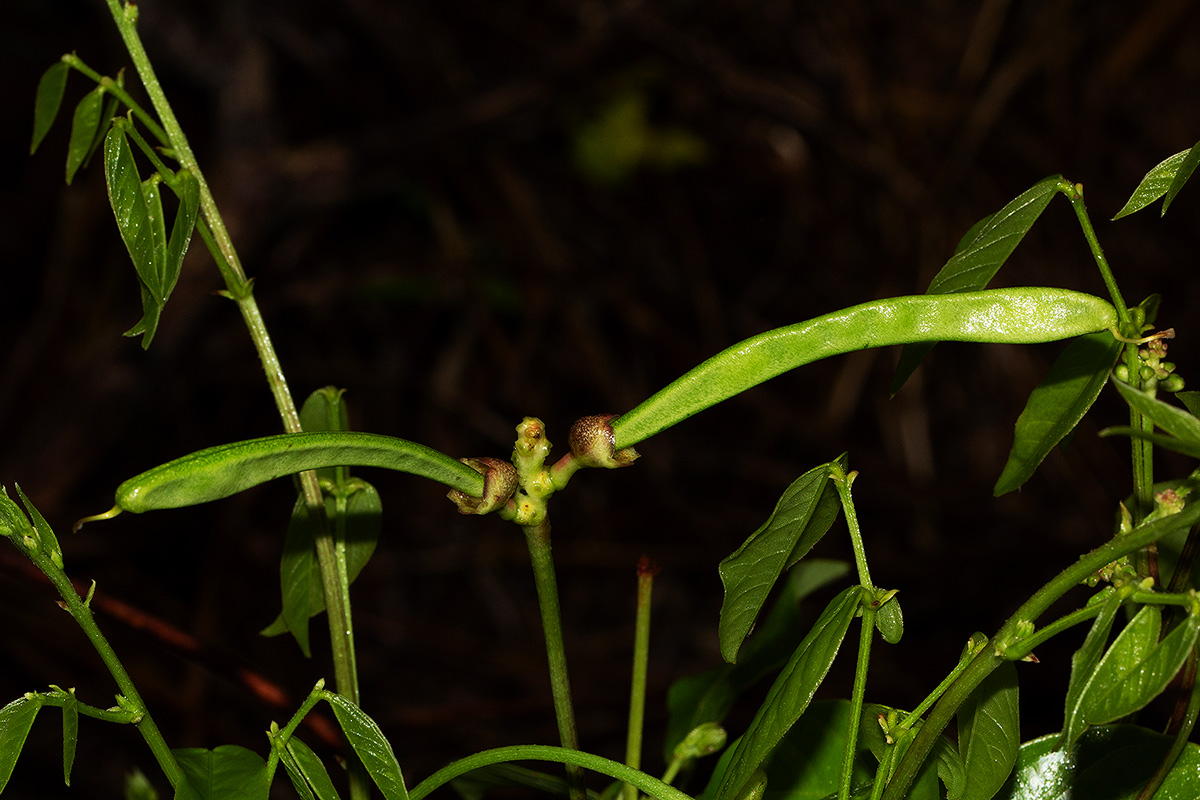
<point x="398" y="178"/>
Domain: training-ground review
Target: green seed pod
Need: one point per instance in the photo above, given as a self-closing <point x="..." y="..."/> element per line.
<point x="499" y="485"/>
<point x="889" y="620"/>
<point x="591" y="441"/>
<point x="1121" y="371"/>
<point x="1172" y="383"/>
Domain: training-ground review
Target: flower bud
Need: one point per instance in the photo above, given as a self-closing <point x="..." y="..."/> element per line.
<point x="593" y="444"/>
<point x="499" y="484"/>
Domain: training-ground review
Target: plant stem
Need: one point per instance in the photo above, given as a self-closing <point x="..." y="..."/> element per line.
<point x="842" y="482"/>
<point x="537" y="539"/>
<point x="1010" y="636"/>
<point x="641" y="657"/>
<point x="538" y="752"/>
<point x="1185" y="717"/>
<point x="82" y="614"/>
<point x="239" y="288"/>
<point x="1074" y="193"/>
<point x="856" y="700"/>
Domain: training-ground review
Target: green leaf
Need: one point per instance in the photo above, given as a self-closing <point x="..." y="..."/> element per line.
<point x="16" y="719"/>
<point x="889" y="621"/>
<point x="45" y="535"/>
<point x="977" y="261"/>
<point x="129" y="206"/>
<point x="158" y="233"/>
<point x="1188" y="448"/>
<point x="1186" y="168"/>
<point x="294" y="774"/>
<point x="1172" y="419"/>
<point x="70" y="720"/>
<point x="807" y="763"/>
<point x="228" y="772"/>
<point x="709" y="697"/>
<point x="187" y="188"/>
<point x="802" y="516"/>
<point x="1190" y="400"/>
<point x="84" y="125"/>
<point x="138" y="786"/>
<point x="1146" y="680"/>
<point x="1111" y="762"/>
<point x="1153" y="185"/>
<point x="944" y="761"/>
<point x="989" y="733"/>
<point x="312" y="770"/>
<point x="47" y="102"/>
<point x="1127" y="652"/>
<point x="1057" y="405"/>
<point x="372" y="748"/>
<point x="151" y="314"/>
<point x="791" y="693"/>
<point x="1085" y="661"/>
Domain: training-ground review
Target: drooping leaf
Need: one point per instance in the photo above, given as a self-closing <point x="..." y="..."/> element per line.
<point x="187" y="189"/>
<point x="1186" y="168"/>
<point x="47" y="102"/>
<point x="129" y="207"/>
<point x="1145" y="681"/>
<point x="977" y="261"/>
<point x="989" y="733"/>
<point x="791" y="693"/>
<point x="1153" y="185"/>
<point x="1185" y="446"/>
<point x="807" y="763"/>
<point x="802" y="516"/>
<point x="312" y="770"/>
<point x="16" y="719"/>
<point x="709" y="696"/>
<point x="1058" y="404"/>
<point x="84" y="124"/>
<point x="147" y="326"/>
<point x="228" y="772"/>
<point x="295" y="775"/>
<point x="152" y="191"/>
<point x="70" y="723"/>
<point x="1084" y="663"/>
<point x="1110" y="762"/>
<point x="1172" y="419"/>
<point x="371" y="747"/>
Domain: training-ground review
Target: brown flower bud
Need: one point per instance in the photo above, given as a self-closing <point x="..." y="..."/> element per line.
<point x="593" y="444"/>
<point x="499" y="484"/>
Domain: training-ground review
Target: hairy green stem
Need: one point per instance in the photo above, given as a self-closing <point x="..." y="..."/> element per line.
<point x="856" y="700"/>
<point x="1074" y="193"/>
<point x="537" y="538"/>
<point x="537" y="752"/>
<point x="82" y="615"/>
<point x="842" y="482"/>
<point x="641" y="658"/>
<point x="1008" y="641"/>
<point x="239" y="288"/>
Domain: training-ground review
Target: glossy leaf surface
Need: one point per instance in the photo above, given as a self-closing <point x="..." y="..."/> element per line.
<point x="312" y="770"/>
<point x="802" y="516"/>
<point x="16" y="719"/>
<point x="1111" y="762"/>
<point x="70" y="724"/>
<point x="1171" y="418"/>
<point x="1186" y="168"/>
<point x="228" y="772"/>
<point x="1135" y="641"/>
<point x="989" y="733"/>
<point x="47" y="101"/>
<point x="129" y="207"/>
<point x="371" y="746"/>
<point x="791" y="693"/>
<point x="977" y="260"/>
<point x="1084" y="663"/>
<point x="187" y="189"/>
<point x="709" y="696"/>
<point x="84" y="125"/>
<point x="1058" y="404"/>
<point x="1154" y="184"/>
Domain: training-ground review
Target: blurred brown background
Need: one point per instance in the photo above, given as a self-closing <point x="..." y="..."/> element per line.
<point x="404" y="182"/>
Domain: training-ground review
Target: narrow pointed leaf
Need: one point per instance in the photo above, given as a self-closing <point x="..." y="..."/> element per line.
<point x="1084" y="663"/>
<point x="1148" y="678"/>
<point x="808" y="761"/>
<point x="84" y="125"/>
<point x="709" y="696"/>
<point x="312" y="770"/>
<point x="989" y="733"/>
<point x="147" y="326"/>
<point x="1172" y="419"/>
<point x="16" y="719"/>
<point x="295" y="775"/>
<point x="45" y="534"/>
<point x="802" y="516"/>
<point x="70" y="721"/>
<point x="228" y="772"/>
<point x="977" y="261"/>
<point x="791" y="693"/>
<point x="152" y="192"/>
<point x="187" y="189"/>
<point x="1186" y="168"/>
<point x="944" y="759"/>
<point x="47" y="102"/>
<point x="129" y="206"/>
<point x="1057" y="405"/>
<point x="1190" y="400"/>
<point x="1135" y="641"/>
<point x="1153" y="185"/>
<point x="371" y="747"/>
<point x="1186" y="446"/>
